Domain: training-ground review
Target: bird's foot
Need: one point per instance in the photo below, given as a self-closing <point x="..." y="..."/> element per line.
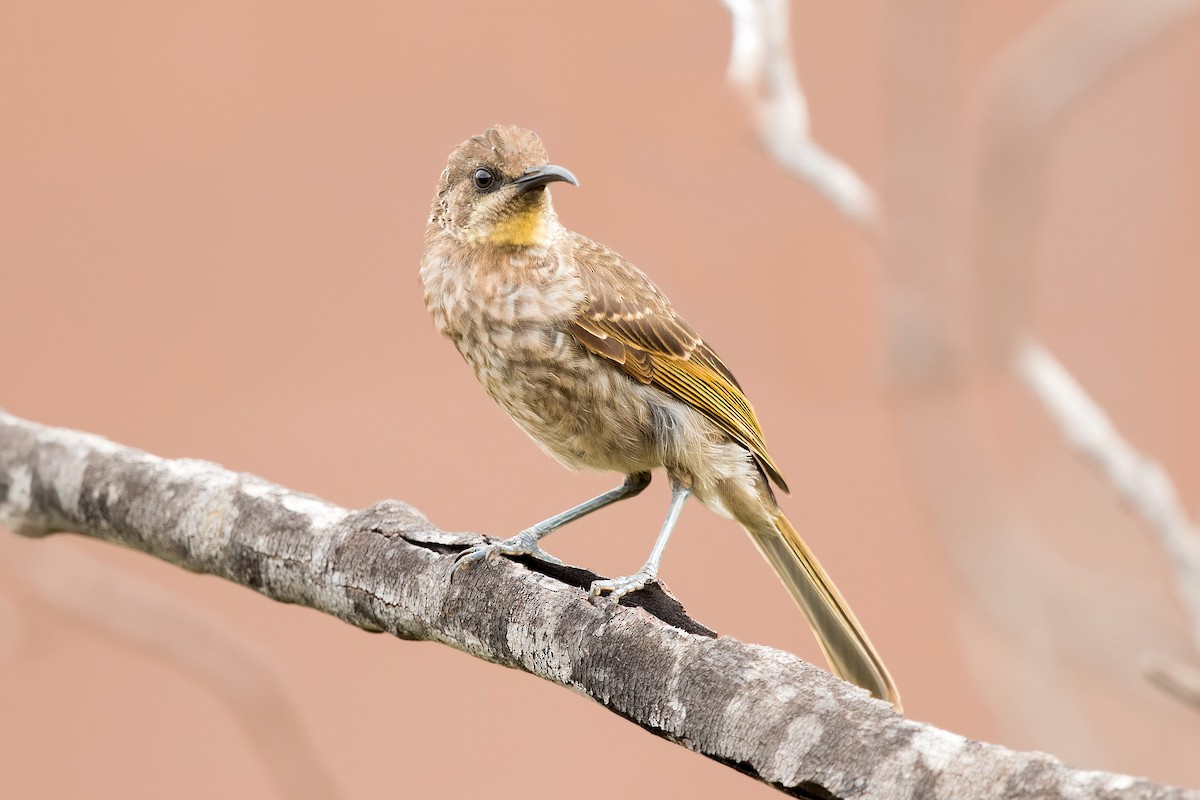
<point x="619" y="587"/>
<point x="524" y="543"/>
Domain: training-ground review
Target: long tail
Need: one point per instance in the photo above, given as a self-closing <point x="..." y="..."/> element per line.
<point x="842" y="639"/>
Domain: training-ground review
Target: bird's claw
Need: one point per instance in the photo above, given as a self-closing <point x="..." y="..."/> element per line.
<point x="524" y="543"/>
<point x="619" y="587"/>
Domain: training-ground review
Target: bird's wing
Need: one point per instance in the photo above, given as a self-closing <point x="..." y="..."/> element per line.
<point x="627" y="320"/>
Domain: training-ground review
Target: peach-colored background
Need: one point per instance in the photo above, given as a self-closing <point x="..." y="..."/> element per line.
<point x="210" y="223"/>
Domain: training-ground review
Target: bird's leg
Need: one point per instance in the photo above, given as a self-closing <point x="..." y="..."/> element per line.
<point x="525" y="543"/>
<point x="618" y="587"/>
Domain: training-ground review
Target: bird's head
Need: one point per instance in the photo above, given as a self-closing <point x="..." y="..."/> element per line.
<point x="493" y="190"/>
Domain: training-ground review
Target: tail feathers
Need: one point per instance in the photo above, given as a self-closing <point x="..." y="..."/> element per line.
<point x="842" y="639"/>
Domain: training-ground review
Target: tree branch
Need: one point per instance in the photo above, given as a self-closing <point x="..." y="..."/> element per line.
<point x="760" y="65"/>
<point x="200" y="645"/>
<point x="1034" y="88"/>
<point x="385" y="568"/>
<point x="1140" y="481"/>
<point x="1041" y="80"/>
<point x="1176" y="679"/>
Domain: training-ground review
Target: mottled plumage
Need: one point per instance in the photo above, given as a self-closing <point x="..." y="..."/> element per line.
<point x="589" y="357"/>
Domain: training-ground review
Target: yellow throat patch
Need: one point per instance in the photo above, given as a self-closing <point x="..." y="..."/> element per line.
<point x="525" y="229"/>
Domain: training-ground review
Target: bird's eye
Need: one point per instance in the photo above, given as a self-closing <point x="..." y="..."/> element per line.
<point x="483" y="179"/>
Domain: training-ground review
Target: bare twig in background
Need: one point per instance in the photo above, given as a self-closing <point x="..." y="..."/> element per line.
<point x="205" y="648"/>
<point x="10" y="629"/>
<point x="974" y="514"/>
<point x="936" y="336"/>
<point x="1179" y="681"/>
<point x="1008" y="628"/>
<point x="385" y="568"/>
<point x="1035" y="86"/>
<point x="1139" y="480"/>
<point x="1044" y="77"/>
<point x="760" y="65"/>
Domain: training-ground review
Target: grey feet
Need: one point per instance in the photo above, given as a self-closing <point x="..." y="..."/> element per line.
<point x="619" y="587"/>
<point x="524" y="543"/>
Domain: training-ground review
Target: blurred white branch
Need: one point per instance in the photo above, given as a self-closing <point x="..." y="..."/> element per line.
<point x="1042" y="78"/>
<point x="11" y="627"/>
<point x="202" y="646"/>
<point x="1008" y="627"/>
<point x="1035" y="86"/>
<point x="1179" y="681"/>
<point x="1032" y="91"/>
<point x="1140" y="481"/>
<point x="760" y="65"/>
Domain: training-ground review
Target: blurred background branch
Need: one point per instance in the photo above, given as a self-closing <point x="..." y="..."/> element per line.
<point x="760" y="66"/>
<point x="1141" y="482"/>
<point x="1178" y="680"/>
<point x="1062" y="61"/>
<point x="948" y="329"/>
<point x="1073" y="52"/>
<point x="132" y="612"/>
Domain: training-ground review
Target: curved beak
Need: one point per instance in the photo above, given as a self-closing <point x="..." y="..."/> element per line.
<point x="540" y="176"/>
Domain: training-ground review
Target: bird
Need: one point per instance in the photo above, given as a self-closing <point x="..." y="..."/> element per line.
<point x="592" y="361"/>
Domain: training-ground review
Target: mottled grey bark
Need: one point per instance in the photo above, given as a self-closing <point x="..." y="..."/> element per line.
<point x="761" y="711"/>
